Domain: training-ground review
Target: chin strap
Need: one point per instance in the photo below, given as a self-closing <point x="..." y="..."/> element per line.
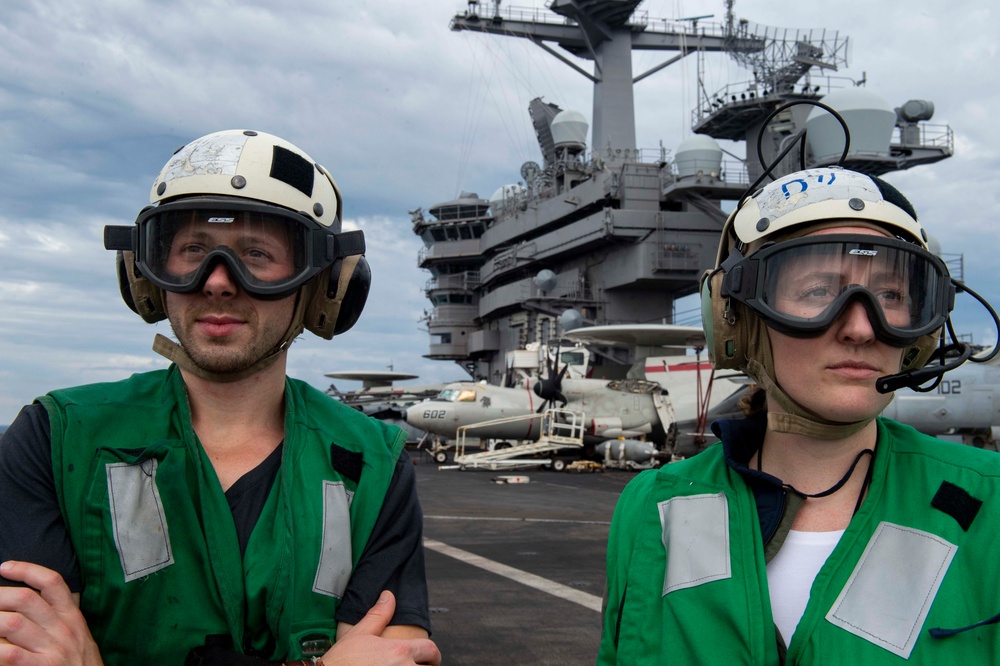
<point x="172" y="351"/>
<point x="797" y="420"/>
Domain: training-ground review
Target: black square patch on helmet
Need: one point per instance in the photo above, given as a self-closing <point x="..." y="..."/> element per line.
<point x="290" y="168"/>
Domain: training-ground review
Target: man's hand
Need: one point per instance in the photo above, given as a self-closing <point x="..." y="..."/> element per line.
<point x="41" y="623"/>
<point x="363" y="643"/>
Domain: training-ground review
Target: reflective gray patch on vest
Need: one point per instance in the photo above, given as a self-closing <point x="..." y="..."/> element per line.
<point x="892" y="587"/>
<point x="335" y="559"/>
<point x="137" y="519"/>
<point x="696" y="540"/>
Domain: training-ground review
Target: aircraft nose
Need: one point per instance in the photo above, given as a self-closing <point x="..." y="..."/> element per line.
<point x="416" y="415"/>
<point x="427" y="416"/>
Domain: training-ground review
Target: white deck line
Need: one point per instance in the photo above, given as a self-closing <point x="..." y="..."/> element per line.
<point x="523" y="577"/>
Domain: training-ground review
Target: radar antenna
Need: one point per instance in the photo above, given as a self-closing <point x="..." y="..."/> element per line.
<point x="787" y="53"/>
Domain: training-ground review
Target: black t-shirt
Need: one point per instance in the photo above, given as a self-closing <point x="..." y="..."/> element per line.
<point x="32" y="528"/>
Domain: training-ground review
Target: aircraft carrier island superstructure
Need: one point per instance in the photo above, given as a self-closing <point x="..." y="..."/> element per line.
<point x="609" y="233"/>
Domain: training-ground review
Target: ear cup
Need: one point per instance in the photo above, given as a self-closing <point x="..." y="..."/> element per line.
<point x="707" y="320"/>
<point x="358" y="286"/>
<point x="722" y="332"/>
<point x="139" y="293"/>
<point x="123" y="281"/>
<point x="339" y="297"/>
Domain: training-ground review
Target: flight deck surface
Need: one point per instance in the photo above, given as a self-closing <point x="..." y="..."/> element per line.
<point x="516" y="570"/>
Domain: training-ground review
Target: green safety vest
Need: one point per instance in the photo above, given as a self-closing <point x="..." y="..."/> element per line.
<point x="155" y="537"/>
<point x="687" y="583"/>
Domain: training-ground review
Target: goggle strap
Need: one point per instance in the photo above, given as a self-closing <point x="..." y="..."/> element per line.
<point x="348" y="243"/>
<point x="735" y="257"/>
<point x="119" y="237"/>
<point x="727" y="266"/>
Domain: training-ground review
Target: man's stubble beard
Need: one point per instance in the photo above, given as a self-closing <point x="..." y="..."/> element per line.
<point x="220" y="355"/>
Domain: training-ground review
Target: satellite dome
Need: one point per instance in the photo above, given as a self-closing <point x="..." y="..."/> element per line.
<point x="546" y="280"/>
<point x="698" y="153"/>
<point x="570" y="319"/>
<point x="869" y="118"/>
<point x="569" y="130"/>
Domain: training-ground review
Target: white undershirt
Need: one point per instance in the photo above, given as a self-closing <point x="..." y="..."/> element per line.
<point x="791" y="572"/>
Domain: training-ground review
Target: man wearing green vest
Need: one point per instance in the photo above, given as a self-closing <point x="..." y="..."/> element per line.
<point x="217" y="512"/>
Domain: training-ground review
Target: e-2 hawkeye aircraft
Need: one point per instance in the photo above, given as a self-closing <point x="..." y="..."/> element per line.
<point x="627" y="422"/>
<point x="572" y="418"/>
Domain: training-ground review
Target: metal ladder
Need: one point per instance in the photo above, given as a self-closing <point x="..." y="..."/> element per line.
<point x="561" y="429"/>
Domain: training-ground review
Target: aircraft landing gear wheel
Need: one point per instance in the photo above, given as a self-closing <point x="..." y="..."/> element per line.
<point x="441" y="457"/>
<point x="558" y="465"/>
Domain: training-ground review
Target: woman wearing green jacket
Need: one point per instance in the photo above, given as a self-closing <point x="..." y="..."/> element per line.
<point x="815" y="531"/>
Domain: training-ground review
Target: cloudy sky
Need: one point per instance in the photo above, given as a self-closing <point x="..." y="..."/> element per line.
<point x="95" y="96"/>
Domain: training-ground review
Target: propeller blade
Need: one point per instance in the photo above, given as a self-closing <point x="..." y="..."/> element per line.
<point x="562" y="373"/>
<point x="549" y="388"/>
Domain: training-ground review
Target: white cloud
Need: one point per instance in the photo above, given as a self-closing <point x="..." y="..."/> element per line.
<point x="94" y="97"/>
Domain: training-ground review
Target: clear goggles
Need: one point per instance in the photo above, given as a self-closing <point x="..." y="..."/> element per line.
<point x="269" y="251"/>
<point x="800" y="287"/>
